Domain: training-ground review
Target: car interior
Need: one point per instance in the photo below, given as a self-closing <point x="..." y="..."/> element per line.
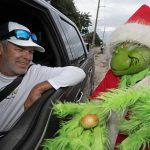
<point x="31" y="17"/>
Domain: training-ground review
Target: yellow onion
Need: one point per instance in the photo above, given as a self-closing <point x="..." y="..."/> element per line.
<point x="89" y="121"/>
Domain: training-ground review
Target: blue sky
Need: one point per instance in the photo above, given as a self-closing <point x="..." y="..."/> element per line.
<point x="112" y="13"/>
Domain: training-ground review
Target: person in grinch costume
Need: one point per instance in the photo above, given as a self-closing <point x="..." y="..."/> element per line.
<point x="130" y="63"/>
<point x="130" y="45"/>
<point x="117" y="116"/>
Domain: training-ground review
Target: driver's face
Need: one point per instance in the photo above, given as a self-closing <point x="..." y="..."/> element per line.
<point x="15" y="60"/>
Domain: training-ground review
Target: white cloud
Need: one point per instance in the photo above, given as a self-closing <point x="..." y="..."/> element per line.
<point x="112" y="13"/>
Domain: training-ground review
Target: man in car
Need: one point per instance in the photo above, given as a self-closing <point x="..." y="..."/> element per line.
<point x="17" y="45"/>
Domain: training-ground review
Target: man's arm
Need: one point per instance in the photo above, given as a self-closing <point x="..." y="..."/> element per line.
<point x="54" y="78"/>
<point x="66" y="76"/>
<point x="36" y="93"/>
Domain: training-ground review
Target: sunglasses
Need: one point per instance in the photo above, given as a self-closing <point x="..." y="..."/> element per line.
<point x="21" y="35"/>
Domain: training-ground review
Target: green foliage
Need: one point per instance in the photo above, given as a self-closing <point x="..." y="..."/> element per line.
<point x="68" y="8"/>
<point x="81" y="19"/>
<point x="89" y="38"/>
<point x="84" y="22"/>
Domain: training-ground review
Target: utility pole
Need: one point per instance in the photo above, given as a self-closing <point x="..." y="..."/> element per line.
<point x="104" y="33"/>
<point x="94" y="34"/>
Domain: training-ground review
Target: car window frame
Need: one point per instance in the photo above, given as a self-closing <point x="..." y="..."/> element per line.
<point x="69" y="47"/>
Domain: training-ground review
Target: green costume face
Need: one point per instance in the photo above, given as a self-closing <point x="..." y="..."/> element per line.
<point x="130" y="58"/>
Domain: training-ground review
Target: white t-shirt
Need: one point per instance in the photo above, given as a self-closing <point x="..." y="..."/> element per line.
<point x="13" y="106"/>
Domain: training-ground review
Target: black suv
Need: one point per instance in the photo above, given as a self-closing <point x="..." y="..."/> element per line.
<point x="64" y="46"/>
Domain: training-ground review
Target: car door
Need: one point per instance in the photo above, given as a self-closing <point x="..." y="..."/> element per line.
<point x="78" y="56"/>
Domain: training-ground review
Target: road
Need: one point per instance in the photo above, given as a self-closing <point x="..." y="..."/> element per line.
<point x="101" y="65"/>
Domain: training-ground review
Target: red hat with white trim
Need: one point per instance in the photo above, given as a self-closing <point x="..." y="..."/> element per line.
<point x="136" y="29"/>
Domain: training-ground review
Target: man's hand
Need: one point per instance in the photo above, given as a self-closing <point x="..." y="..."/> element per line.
<point x="36" y="93"/>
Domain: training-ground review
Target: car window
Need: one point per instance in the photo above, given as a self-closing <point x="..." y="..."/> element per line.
<point x="76" y="51"/>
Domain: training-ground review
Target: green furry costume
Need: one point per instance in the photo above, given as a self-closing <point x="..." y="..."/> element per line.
<point x="72" y="136"/>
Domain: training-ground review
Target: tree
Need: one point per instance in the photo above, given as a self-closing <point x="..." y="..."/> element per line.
<point x="84" y="22"/>
<point x="89" y="38"/>
<point x="67" y="7"/>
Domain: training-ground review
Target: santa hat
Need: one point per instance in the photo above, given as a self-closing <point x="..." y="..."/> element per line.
<point x="136" y="29"/>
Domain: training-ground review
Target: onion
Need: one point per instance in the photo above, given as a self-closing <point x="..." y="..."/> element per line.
<point x="89" y="121"/>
